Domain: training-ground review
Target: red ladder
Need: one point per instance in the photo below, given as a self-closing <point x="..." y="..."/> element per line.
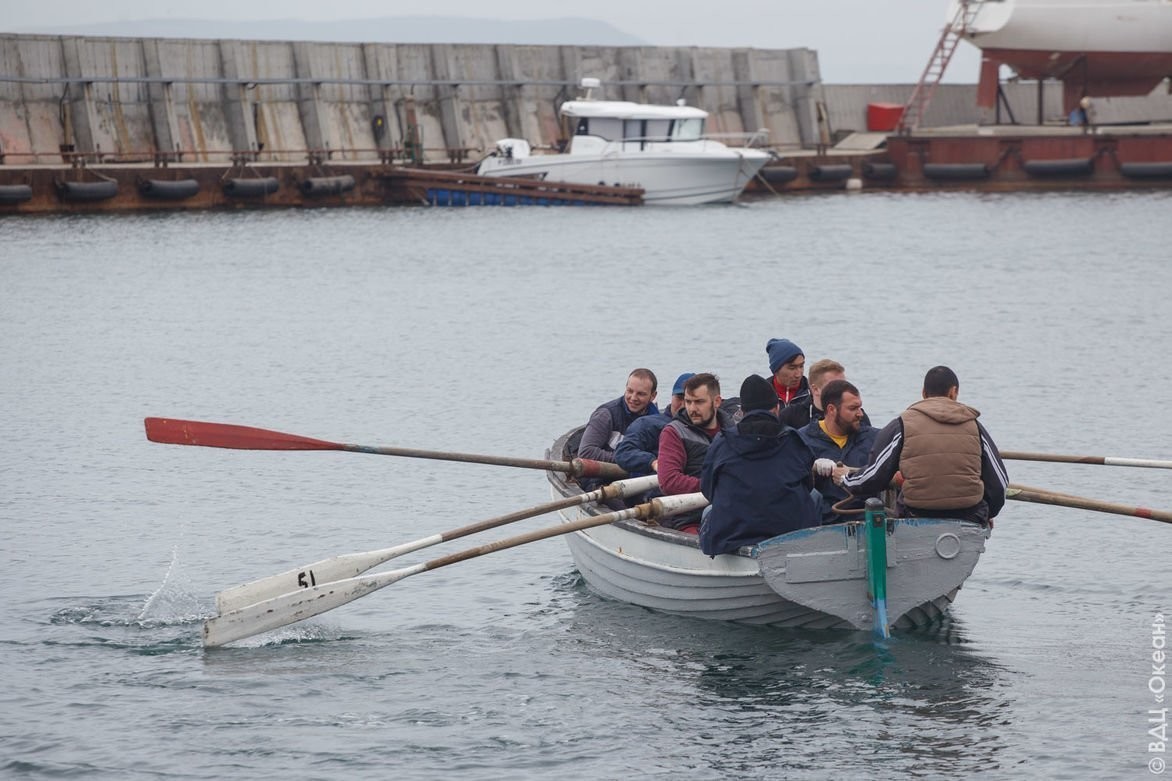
<point x="917" y="104"/>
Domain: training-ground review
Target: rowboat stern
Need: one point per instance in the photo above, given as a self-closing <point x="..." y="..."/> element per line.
<point x="826" y="568"/>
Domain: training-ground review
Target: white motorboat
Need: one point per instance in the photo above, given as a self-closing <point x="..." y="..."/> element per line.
<point x="661" y="149"/>
<point x="813" y="578"/>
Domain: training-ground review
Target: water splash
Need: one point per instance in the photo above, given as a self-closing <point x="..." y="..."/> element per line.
<point x="174" y="601"/>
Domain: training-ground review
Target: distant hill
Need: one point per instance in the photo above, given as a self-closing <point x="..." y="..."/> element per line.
<point x="568" y="31"/>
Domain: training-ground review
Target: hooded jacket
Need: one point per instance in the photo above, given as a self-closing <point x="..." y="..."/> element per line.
<point x="946" y="457"/>
<point x="757" y="479"/>
<point x="941" y="458"/>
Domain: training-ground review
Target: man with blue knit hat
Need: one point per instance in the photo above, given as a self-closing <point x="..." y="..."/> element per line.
<point x="757" y="477"/>
<point x="787" y="363"/>
<point x="638" y="450"/>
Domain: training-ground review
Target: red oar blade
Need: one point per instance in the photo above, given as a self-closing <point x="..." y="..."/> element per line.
<point x="203" y="434"/>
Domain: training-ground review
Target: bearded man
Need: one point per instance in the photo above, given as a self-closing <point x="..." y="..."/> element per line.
<point x="684" y="442"/>
<point x="841" y="441"/>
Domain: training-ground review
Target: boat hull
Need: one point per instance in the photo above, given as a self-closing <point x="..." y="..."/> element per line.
<point x="667" y="178"/>
<point x="1107" y="47"/>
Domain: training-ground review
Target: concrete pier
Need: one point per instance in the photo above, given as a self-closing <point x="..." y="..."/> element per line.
<point x="118" y="124"/>
<point x="134" y="100"/>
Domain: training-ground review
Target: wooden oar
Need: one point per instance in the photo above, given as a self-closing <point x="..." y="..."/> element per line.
<point x="351" y="564"/>
<point x="195" y="432"/>
<point x="1106" y="460"/>
<point x="299" y="605"/>
<point x="1027" y="494"/>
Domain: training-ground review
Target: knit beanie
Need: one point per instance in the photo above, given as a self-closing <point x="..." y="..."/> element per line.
<point x="757" y="393"/>
<point x="781" y="351"/>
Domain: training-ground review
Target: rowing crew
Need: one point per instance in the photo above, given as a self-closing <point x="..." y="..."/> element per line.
<point x="763" y="477"/>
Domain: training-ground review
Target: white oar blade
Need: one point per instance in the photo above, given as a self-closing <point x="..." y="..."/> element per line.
<point x="296" y="606"/>
<point x="1144" y="462"/>
<point x="347" y="565"/>
<point x="352" y="564"/>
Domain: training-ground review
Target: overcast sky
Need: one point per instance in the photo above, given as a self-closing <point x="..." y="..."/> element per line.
<point x="858" y="41"/>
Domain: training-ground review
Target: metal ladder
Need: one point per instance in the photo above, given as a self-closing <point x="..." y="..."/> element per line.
<point x="917" y="104"/>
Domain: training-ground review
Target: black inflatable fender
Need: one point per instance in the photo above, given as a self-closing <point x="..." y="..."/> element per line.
<point x="880" y="171"/>
<point x="15" y="193"/>
<point x="86" y="191"/>
<point x="831" y="173"/>
<point x="251" y="188"/>
<point x="1146" y="170"/>
<point x="778" y="174"/>
<point x="327" y="185"/>
<point x="956" y="170"/>
<point x="167" y="189"/>
<point x="1075" y="166"/>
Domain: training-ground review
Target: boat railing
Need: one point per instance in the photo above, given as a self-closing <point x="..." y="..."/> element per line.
<point x="758" y="138"/>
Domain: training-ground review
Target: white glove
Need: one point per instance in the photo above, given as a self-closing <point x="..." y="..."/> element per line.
<point x="823" y="467"/>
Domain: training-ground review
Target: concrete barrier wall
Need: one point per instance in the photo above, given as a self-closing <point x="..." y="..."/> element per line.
<point x="127" y="99"/>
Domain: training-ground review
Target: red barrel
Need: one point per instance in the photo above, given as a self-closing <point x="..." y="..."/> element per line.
<point x="883" y="117"/>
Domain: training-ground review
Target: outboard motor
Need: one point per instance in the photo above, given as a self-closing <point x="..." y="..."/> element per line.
<point x="515" y="148"/>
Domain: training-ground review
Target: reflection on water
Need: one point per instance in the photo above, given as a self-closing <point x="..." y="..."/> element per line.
<point x="924" y="698"/>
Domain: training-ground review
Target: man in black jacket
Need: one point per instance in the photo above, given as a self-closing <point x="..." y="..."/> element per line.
<point x="757" y="477"/>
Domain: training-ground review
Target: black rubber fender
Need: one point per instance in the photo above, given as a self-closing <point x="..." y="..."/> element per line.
<point x="87" y="191"/>
<point x="251" y="188"/>
<point x="778" y="174"/>
<point x="884" y="172"/>
<point x="168" y="189"/>
<point x="956" y="170"/>
<point x="327" y="185"/>
<point x="1146" y="170"/>
<point x="15" y="193"/>
<point x="831" y="173"/>
<point x="1074" y="166"/>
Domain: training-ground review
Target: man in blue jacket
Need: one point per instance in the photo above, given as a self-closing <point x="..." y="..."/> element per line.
<point x="757" y="477"/>
<point x="841" y="439"/>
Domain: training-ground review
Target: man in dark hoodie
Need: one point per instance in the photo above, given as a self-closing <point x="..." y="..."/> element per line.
<point x="757" y="477"/>
<point x="949" y="464"/>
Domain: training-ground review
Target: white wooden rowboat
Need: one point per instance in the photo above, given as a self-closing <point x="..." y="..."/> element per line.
<point x="813" y="578"/>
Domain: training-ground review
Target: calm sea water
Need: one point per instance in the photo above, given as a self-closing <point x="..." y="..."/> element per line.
<point x="492" y="331"/>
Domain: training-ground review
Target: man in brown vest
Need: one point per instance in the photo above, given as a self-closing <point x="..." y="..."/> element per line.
<point x="949" y="464"/>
